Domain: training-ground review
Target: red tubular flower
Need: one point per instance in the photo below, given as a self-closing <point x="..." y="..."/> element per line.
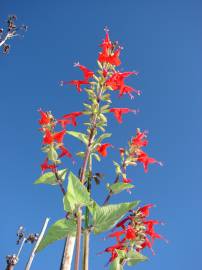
<point x="146" y="160"/>
<point x="117" y="235"/>
<point x="106" y="44"/>
<point x="48" y="137"/>
<point x="125" y="89"/>
<point x="148" y="244"/>
<point x="86" y="72"/>
<point x="122" y="222"/>
<point x="114" y="58"/>
<point x="78" y="84"/>
<point x="58" y="136"/>
<point x="138" y="140"/>
<point x="102" y="149"/>
<point x="116" y="81"/>
<point x="64" y="152"/>
<point x="127" y="180"/>
<point x="72" y="117"/>
<point x="45" y="120"/>
<point x="119" y="111"/>
<point x="122" y="151"/>
<point x="45" y="166"/>
<point x="130" y="233"/>
<point x="145" y="209"/>
<point x="64" y="122"/>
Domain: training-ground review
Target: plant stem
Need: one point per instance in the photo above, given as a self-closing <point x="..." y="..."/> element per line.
<point x="110" y="193"/>
<point x="82" y="179"/>
<point x="86" y="240"/>
<point x="66" y="260"/>
<point x="31" y="258"/>
<point x="68" y="253"/>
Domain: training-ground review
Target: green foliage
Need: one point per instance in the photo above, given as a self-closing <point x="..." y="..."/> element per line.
<point x="115" y="265"/>
<point x="80" y="136"/>
<point x="52" y="154"/>
<point x="59" y="230"/>
<point x="77" y="194"/>
<point x="118" y="187"/>
<point x="50" y="178"/>
<point x="134" y="257"/>
<point x="106" y="217"/>
<point x="117" y="168"/>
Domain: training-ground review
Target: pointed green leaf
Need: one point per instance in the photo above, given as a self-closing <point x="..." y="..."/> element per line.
<point x="117" y="168"/>
<point x="50" y="179"/>
<point x="102" y="137"/>
<point x="59" y="230"/>
<point x="106" y="217"/>
<point x="115" y="265"/>
<point x="95" y="155"/>
<point x="81" y="136"/>
<point x="118" y="187"/>
<point x="52" y="154"/>
<point x="77" y="194"/>
<point x="135" y="257"/>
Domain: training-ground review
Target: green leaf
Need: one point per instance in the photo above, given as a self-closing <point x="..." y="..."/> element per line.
<point x="135" y="257"/>
<point x="77" y="194"/>
<point x="106" y="217"/>
<point x="118" y="187"/>
<point x="59" y="230"/>
<point x="80" y="154"/>
<point x="117" y="168"/>
<point x="115" y="265"/>
<point x="52" y="154"/>
<point x="81" y="136"/>
<point x="50" y="178"/>
<point x="95" y="155"/>
<point x="102" y="137"/>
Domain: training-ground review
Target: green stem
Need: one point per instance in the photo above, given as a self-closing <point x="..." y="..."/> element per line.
<point x="82" y="179"/>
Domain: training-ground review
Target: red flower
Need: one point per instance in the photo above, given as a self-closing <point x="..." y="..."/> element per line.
<point x="122" y="222"/>
<point x="86" y="72"/>
<point x="145" y="210"/>
<point x="127" y="180"/>
<point x="125" y="89"/>
<point x="64" y="122"/>
<point x="45" y="166"/>
<point x="48" y="137"/>
<point x="78" y="84"/>
<point x="130" y="233"/>
<point x="119" y="111"/>
<point x="106" y="44"/>
<point x="148" y="244"/>
<point x="138" y="140"/>
<point x="146" y="160"/>
<point x="122" y="151"/>
<point x="64" y="152"/>
<point x="117" y="235"/>
<point x="116" y="81"/>
<point x="114" y="58"/>
<point x="102" y="149"/>
<point x="45" y="120"/>
<point x="72" y="117"/>
<point x="58" y="136"/>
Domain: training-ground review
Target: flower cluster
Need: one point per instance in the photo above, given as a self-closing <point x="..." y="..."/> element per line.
<point x="53" y="140"/>
<point x="135" y="232"/>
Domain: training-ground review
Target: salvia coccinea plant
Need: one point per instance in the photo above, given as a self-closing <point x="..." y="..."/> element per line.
<point x="8" y="30"/>
<point x="128" y="223"/>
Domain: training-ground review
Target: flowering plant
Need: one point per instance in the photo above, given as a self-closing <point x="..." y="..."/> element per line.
<point x="130" y="224"/>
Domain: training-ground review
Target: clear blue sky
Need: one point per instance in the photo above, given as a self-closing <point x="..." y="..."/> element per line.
<point x="163" y="41"/>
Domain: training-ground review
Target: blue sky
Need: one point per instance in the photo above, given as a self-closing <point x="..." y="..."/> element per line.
<point x="163" y="41"/>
